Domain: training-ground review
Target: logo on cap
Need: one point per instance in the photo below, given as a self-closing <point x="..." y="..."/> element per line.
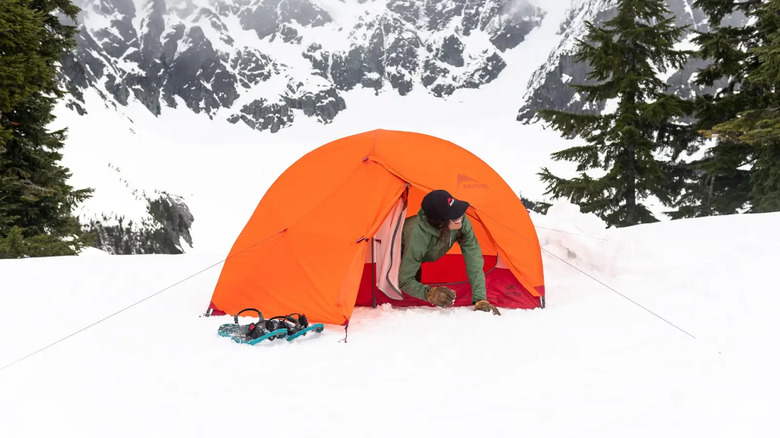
<point x="450" y="201"/>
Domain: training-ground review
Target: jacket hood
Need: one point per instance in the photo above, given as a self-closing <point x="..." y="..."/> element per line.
<point x="425" y="225"/>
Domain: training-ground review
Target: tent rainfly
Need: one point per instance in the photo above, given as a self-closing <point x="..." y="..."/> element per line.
<point x="326" y="236"/>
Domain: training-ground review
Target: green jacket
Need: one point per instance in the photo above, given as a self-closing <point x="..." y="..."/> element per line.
<point x="421" y="244"/>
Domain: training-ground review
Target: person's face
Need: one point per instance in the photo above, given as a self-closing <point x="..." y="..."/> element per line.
<point x="456" y="224"/>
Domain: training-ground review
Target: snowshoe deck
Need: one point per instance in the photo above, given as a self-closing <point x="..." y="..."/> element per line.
<point x="316" y="328"/>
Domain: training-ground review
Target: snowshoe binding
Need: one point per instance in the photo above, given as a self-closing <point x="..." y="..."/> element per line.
<point x="296" y="325"/>
<point x="254" y="332"/>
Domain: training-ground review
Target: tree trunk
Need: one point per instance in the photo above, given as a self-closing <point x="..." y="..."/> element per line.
<point x="631" y="176"/>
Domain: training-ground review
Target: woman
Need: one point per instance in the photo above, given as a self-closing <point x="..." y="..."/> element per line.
<point x="440" y="223"/>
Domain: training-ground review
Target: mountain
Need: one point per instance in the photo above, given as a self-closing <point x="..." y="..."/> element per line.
<point x="267" y="62"/>
<point x="548" y="87"/>
<point x="271" y="65"/>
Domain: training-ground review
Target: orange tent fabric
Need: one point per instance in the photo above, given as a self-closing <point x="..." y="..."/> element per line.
<point x="305" y="246"/>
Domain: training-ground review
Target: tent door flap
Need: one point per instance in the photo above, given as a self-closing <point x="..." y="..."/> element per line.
<point x="387" y="250"/>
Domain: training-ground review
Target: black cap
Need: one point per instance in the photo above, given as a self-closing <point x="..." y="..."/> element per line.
<point x="440" y="205"/>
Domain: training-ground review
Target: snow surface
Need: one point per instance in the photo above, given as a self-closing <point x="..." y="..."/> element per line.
<point x="592" y="363"/>
<point x="659" y="330"/>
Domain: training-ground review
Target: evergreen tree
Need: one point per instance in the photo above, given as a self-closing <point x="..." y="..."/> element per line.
<point x="36" y="203"/>
<point x="742" y="170"/>
<point x="626" y="57"/>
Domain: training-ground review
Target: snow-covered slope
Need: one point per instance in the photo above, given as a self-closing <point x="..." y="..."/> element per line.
<point x="591" y="364"/>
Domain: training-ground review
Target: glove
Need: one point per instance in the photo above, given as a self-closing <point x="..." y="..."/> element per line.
<point x="441" y="296"/>
<point x="484" y="306"/>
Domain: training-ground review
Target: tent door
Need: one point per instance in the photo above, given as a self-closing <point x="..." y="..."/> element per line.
<point x="387" y="251"/>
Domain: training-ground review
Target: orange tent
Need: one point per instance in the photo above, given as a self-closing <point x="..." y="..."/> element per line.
<point x="326" y="235"/>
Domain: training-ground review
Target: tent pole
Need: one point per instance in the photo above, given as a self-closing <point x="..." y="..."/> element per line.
<point x="373" y="276"/>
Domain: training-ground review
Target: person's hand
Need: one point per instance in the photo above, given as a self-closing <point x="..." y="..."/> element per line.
<point x="485" y="306"/>
<point x="441" y="296"/>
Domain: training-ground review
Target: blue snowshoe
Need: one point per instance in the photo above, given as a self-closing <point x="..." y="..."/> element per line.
<point x="252" y="333"/>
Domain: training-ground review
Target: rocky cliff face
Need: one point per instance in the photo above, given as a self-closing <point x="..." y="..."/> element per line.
<point x="266" y="62"/>
<point x="165" y="230"/>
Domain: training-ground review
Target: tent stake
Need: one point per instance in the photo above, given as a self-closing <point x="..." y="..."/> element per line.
<point x="373" y="276"/>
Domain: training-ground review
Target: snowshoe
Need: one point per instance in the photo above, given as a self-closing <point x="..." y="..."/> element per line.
<point x="252" y="333"/>
<point x="296" y="325"/>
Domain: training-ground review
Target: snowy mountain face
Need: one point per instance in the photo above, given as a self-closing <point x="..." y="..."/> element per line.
<point x="548" y="89"/>
<point x="266" y="62"/>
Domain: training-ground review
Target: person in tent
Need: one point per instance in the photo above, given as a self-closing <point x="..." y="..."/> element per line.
<point x="440" y="223"/>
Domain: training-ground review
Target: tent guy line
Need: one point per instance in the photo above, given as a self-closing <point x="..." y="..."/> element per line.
<point x="615" y="291"/>
<point x="599" y="281"/>
<point x="109" y="316"/>
<point x="213" y="265"/>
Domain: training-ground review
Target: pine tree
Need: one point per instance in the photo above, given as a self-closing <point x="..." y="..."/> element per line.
<point x="626" y="56"/>
<point x="760" y="127"/>
<point x="741" y="172"/>
<point x="36" y="203"/>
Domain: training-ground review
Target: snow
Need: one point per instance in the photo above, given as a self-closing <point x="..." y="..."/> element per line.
<point x="562" y="40"/>
<point x="141" y="12"/>
<point x="655" y="330"/>
<point x="100" y="22"/>
<point x="130" y="356"/>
